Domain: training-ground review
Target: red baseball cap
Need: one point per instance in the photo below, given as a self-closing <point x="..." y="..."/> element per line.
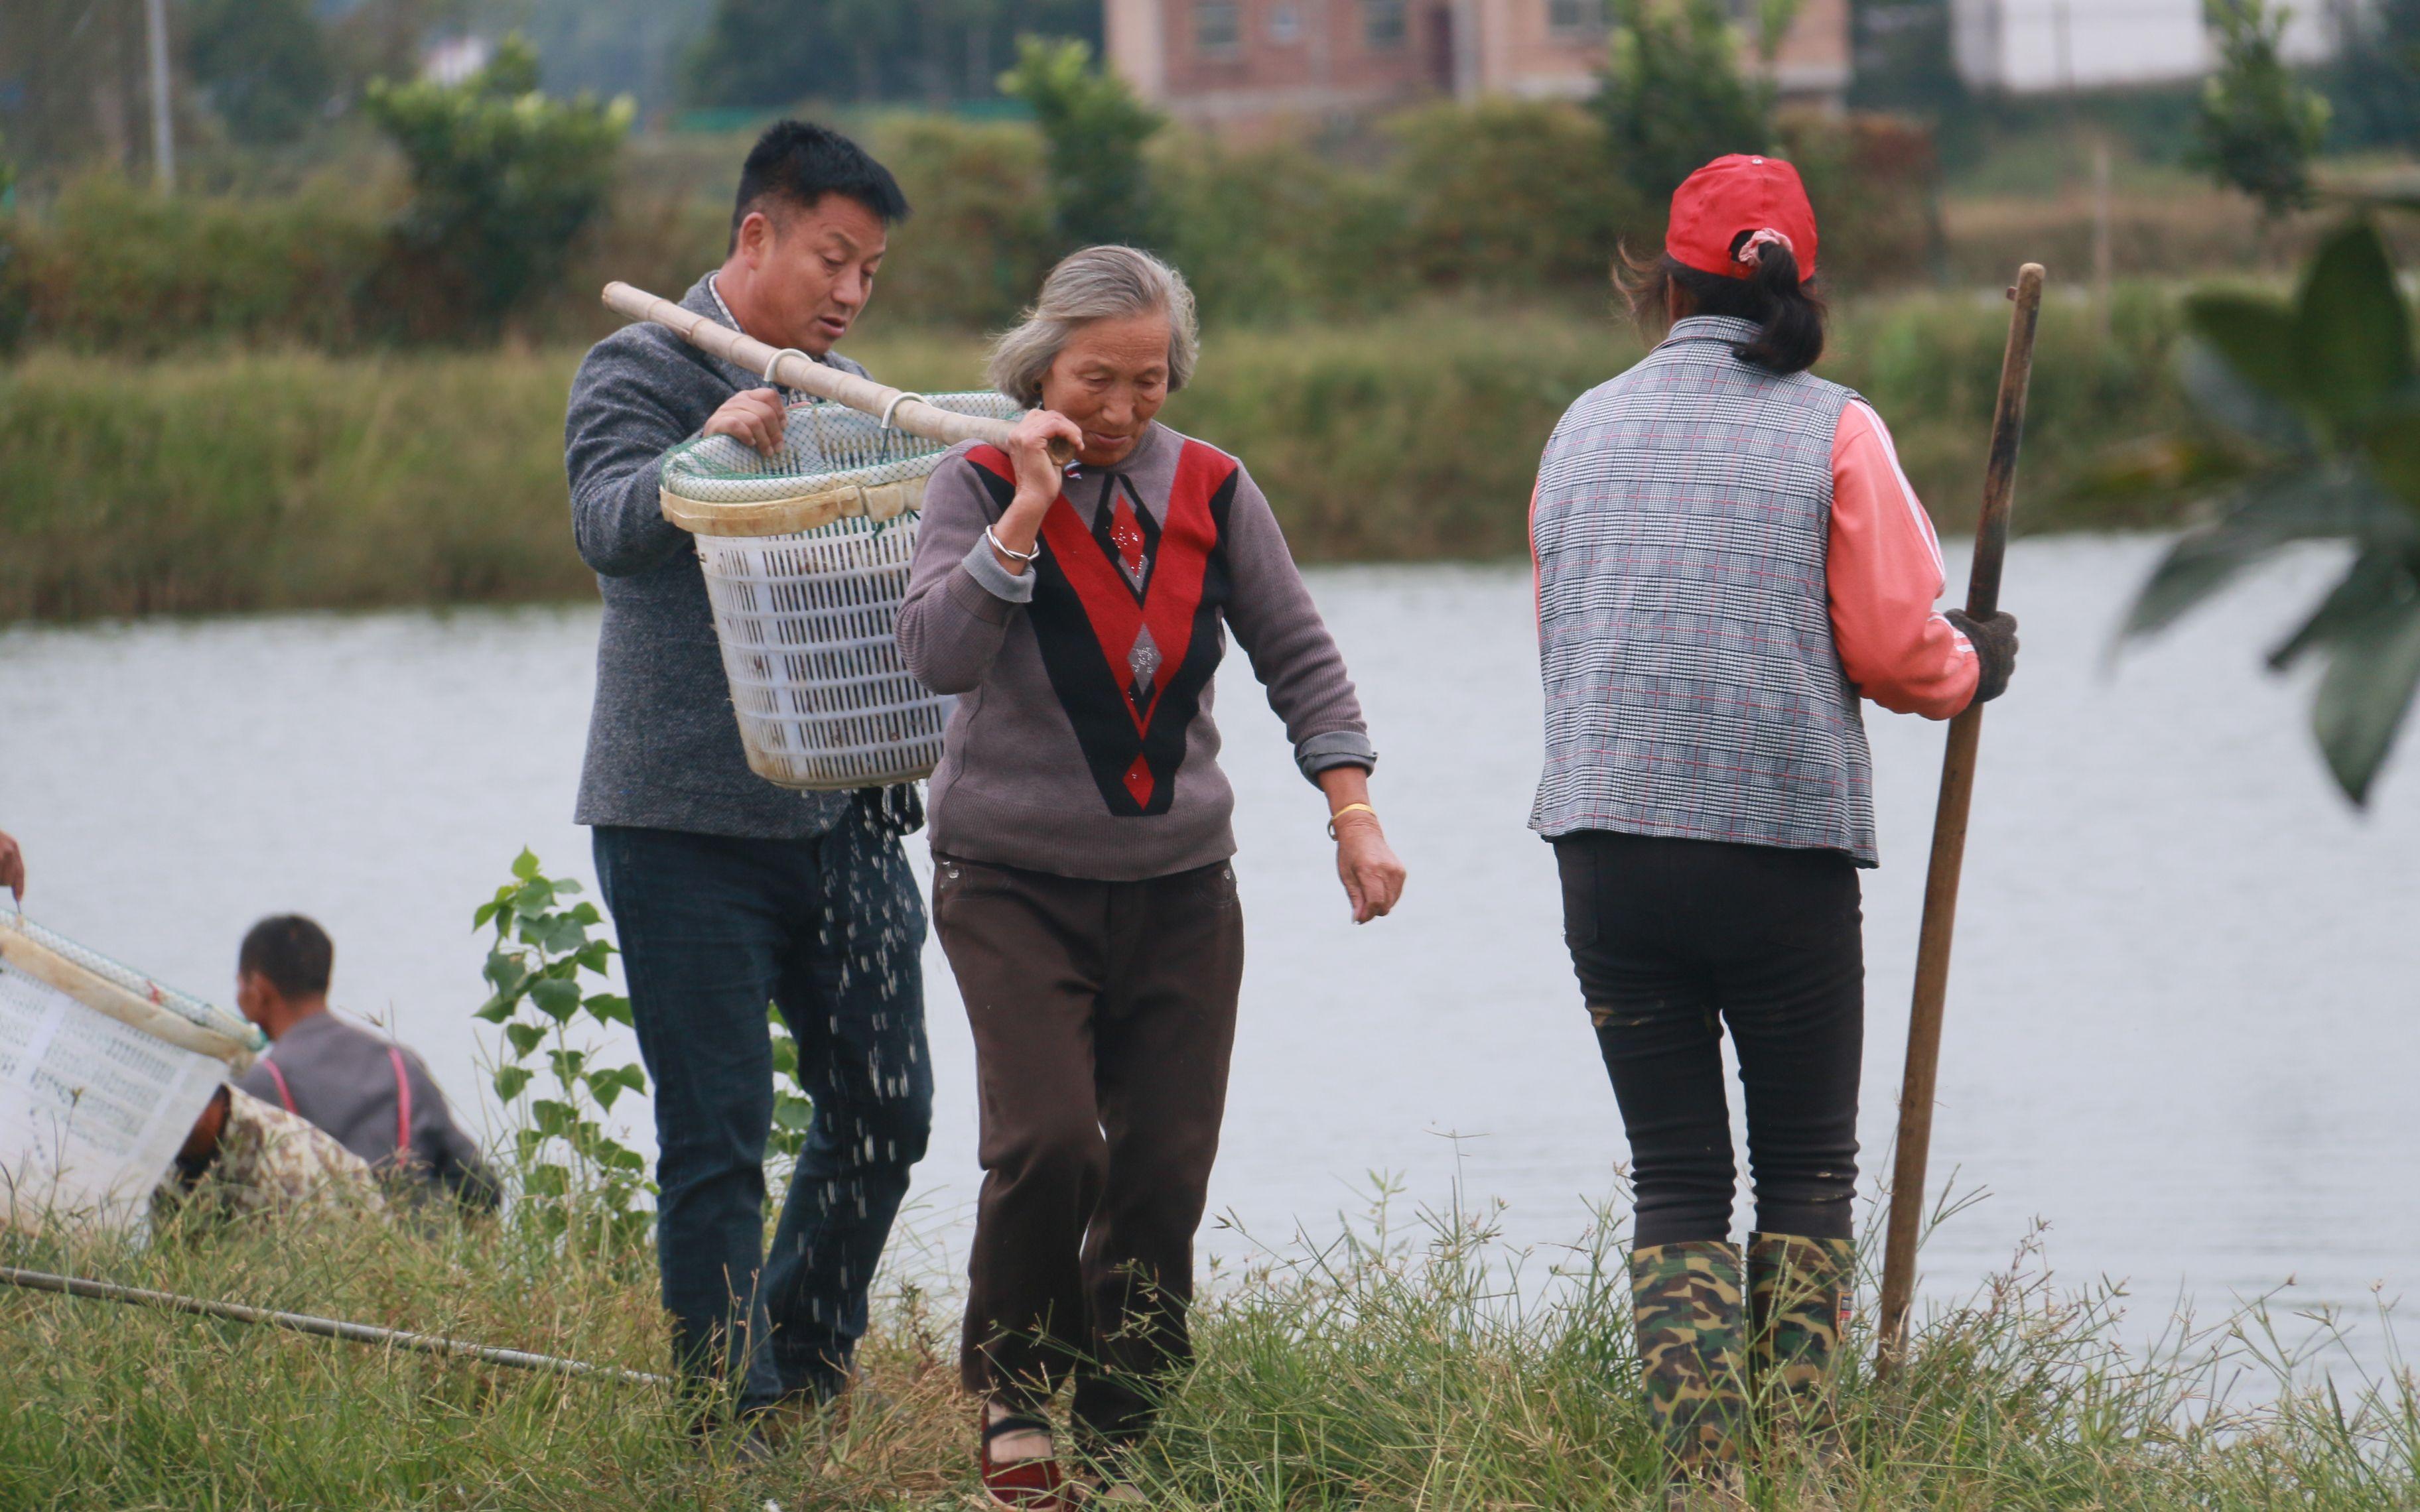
<point x="1735" y="197"/>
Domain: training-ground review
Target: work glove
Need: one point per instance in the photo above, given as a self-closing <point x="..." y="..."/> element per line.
<point x="1995" y="640"/>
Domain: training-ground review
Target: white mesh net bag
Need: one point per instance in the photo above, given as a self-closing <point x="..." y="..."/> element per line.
<point x="806" y="558"/>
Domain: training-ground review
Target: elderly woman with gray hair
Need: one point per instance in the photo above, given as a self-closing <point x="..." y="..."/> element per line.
<point x="1081" y="840"/>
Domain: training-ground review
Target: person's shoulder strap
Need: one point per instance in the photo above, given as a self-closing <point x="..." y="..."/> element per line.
<point x="284" y="1093"/>
<point x="402" y="1103"/>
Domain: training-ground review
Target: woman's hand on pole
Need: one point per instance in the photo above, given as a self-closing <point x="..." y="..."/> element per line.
<point x="752" y="417"/>
<point x="1039" y="481"/>
<point x="1365" y="863"/>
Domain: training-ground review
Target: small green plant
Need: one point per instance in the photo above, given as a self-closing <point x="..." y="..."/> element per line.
<point x="1095" y="129"/>
<point x="576" y="1181"/>
<point x="2313" y="411"/>
<point x="1673" y="96"/>
<point x="2255" y="129"/>
<point x="792" y="1114"/>
<point x="502" y="181"/>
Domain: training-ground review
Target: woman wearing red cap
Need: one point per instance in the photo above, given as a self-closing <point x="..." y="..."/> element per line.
<point x="1728" y="559"/>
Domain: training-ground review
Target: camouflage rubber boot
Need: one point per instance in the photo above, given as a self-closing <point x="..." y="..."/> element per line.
<point x="1799" y="1292"/>
<point x="1689" y="1308"/>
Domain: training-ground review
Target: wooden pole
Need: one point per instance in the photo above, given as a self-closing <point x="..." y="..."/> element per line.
<point x="330" y="1328"/>
<point x="907" y="411"/>
<point x="1949" y="839"/>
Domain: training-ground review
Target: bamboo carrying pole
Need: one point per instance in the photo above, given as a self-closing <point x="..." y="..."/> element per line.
<point x="788" y="366"/>
<point x="330" y="1328"/>
<point x="1949" y="837"/>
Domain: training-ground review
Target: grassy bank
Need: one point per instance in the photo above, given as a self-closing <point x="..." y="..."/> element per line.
<point x="271" y="481"/>
<point x="1363" y="1377"/>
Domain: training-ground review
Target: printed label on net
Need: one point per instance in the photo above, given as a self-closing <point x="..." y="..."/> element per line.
<point x="91" y="1109"/>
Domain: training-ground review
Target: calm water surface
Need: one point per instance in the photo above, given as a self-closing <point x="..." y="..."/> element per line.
<point x="2181" y="1025"/>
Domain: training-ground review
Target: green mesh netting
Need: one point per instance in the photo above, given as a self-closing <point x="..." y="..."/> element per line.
<point x="825" y="447"/>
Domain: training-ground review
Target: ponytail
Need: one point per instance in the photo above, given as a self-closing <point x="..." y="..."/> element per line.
<point x="1792" y="318"/>
<point x="1788" y="312"/>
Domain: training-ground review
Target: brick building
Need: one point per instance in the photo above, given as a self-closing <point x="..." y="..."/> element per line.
<point x="1254" y="66"/>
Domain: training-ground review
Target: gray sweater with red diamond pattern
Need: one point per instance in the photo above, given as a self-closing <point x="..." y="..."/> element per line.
<point x="1082" y="744"/>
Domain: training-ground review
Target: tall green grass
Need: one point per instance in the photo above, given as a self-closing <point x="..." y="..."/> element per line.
<point x="250" y="482"/>
<point x="1375" y="1372"/>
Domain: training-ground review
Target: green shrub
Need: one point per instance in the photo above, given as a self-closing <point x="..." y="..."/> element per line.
<point x="2256" y="128"/>
<point x="1514" y="194"/>
<point x="503" y="179"/>
<point x="1095" y="128"/>
<point x="117" y="267"/>
<point x="1674" y="97"/>
<point x="1273" y="233"/>
<point x="975" y="250"/>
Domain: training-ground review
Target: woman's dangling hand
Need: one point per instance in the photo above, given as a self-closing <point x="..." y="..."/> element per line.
<point x="1365" y="863"/>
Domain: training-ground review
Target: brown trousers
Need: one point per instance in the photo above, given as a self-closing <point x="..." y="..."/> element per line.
<point x="1104" y="1014"/>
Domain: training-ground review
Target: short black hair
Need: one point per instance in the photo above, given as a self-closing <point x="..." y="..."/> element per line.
<point x="292" y="951"/>
<point x="799" y="163"/>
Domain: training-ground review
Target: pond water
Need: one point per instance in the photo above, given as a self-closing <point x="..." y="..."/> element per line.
<point x="2181" y="1027"/>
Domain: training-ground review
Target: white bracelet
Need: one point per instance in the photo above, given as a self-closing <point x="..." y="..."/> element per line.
<point x="1027" y="557"/>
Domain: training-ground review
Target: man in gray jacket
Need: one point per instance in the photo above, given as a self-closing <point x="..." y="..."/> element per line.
<point x="726" y="891"/>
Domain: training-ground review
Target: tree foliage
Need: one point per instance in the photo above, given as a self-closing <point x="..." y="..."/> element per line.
<point x="1095" y="128"/>
<point x="1673" y="95"/>
<point x="2314" y="435"/>
<point x="502" y="181"/>
<point x="2376" y="82"/>
<point x="263" y="65"/>
<point x="2257" y="127"/>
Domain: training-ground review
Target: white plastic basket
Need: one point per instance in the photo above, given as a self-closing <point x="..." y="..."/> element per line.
<point x="806" y="556"/>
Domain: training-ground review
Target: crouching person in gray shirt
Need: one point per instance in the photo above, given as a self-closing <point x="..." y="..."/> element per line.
<point x="370" y="1094"/>
<point x="728" y="892"/>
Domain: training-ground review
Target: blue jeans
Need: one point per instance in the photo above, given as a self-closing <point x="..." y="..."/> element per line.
<point x="830" y="931"/>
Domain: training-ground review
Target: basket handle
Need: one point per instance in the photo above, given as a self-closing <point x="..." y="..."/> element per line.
<point x="907" y="411"/>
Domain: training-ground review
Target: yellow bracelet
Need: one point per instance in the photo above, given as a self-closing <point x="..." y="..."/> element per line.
<point x="1346" y="810"/>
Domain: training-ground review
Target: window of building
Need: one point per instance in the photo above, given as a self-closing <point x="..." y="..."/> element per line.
<point x="1218" y="25"/>
<point x="1575" y="17"/>
<point x="1382" y="23"/>
<point x="1286" y="24"/>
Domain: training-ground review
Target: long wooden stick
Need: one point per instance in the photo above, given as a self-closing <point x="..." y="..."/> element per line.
<point x="907" y="411"/>
<point x="1949" y="839"/>
<point x="330" y="1328"/>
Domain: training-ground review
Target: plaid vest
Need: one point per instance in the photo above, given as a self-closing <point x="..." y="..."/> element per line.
<point x="1693" y="687"/>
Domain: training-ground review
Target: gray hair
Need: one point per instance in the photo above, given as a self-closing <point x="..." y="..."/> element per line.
<point x="1097" y="283"/>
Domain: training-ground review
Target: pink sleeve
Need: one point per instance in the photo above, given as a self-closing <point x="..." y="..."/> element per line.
<point x="1883" y="577"/>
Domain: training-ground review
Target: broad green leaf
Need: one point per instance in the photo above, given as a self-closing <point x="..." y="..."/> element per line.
<point x="2352" y="334"/>
<point x="2393" y="446"/>
<point x="510" y="1080"/>
<point x="2372" y="673"/>
<point x="496" y="1010"/>
<point x="552" y="1118"/>
<point x="506" y="969"/>
<point x="524" y="1038"/>
<point x="2233" y="403"/>
<point x="594" y="956"/>
<point x="605" y="1087"/>
<point x="2278" y="507"/>
<point x="558" y="999"/>
<point x="486" y="911"/>
<point x="2254" y="336"/>
<point x="608" y="1008"/>
<point x="525" y="864"/>
<point x="566" y="886"/>
<point x="567" y="1064"/>
<point x="546" y="1182"/>
<point x="534" y="897"/>
<point x="795" y="1114"/>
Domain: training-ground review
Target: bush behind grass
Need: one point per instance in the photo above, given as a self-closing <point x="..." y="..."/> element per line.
<point x="264" y="481"/>
<point x="1372" y="1372"/>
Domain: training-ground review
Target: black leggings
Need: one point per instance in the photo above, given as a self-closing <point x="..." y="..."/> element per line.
<point x="1673" y="939"/>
